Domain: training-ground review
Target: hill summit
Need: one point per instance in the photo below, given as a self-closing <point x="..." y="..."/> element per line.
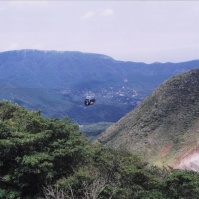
<point x="165" y="126"/>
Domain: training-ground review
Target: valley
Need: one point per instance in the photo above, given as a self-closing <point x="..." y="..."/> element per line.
<point x="57" y="82"/>
<point x="123" y="95"/>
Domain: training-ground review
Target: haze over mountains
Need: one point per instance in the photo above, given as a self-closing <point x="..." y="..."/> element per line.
<point x="57" y="82"/>
<point x="164" y="128"/>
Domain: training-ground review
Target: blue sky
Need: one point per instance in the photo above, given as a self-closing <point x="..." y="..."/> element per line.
<point x="140" y="31"/>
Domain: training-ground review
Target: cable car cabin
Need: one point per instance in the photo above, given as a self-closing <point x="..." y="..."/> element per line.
<point x="89" y="101"/>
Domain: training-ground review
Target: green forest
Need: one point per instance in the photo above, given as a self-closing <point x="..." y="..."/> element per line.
<point x="49" y="158"/>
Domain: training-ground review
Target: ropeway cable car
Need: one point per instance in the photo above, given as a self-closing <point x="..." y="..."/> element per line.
<point x="89" y="100"/>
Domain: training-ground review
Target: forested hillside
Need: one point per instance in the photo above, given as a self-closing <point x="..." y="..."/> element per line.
<point x="49" y="158"/>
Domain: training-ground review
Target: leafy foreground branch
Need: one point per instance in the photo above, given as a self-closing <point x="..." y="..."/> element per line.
<point x="50" y="158"/>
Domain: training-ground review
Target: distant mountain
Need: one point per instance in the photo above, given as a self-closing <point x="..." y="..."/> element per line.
<point x="165" y="126"/>
<point x="57" y="83"/>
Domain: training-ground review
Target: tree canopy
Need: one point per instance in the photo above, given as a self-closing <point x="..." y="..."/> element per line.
<point x="51" y="158"/>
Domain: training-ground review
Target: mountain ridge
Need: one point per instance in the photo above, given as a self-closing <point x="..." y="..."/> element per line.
<point x="68" y="76"/>
<point x="62" y="63"/>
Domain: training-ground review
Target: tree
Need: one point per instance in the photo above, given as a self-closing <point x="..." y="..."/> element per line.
<point x="35" y="151"/>
<point x="181" y="184"/>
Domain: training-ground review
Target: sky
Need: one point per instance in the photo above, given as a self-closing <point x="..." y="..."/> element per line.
<point x="139" y="31"/>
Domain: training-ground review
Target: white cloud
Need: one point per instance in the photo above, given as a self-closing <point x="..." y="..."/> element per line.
<point x="88" y="15"/>
<point x="107" y="12"/>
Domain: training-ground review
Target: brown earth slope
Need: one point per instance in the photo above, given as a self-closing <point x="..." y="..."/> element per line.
<point x="164" y="127"/>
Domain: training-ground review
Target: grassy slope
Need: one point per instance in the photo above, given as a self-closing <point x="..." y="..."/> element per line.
<point x="163" y="124"/>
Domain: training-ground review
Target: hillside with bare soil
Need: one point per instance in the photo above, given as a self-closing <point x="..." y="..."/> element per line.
<point x="164" y="127"/>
